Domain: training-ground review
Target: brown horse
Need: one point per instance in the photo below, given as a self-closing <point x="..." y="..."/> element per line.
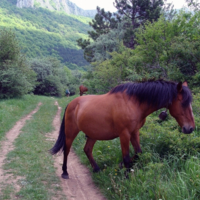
<point x="82" y="89"/>
<point x="121" y="113"/>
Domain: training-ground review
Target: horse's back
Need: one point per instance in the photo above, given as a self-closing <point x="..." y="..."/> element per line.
<point x="101" y="117"/>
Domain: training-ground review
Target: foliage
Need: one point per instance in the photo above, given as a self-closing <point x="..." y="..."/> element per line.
<point x="118" y="69"/>
<point x="132" y="13"/>
<point x="138" y="11"/>
<point x="16" y="78"/>
<point x="101" y="24"/>
<point x="51" y="77"/>
<point x="165" y="49"/>
<point x="170" y="49"/>
<point x="107" y="43"/>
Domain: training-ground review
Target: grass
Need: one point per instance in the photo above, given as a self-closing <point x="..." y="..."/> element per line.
<point x="14" y="109"/>
<point x="168" y="168"/>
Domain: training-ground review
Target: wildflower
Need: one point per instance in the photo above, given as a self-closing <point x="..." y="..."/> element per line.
<point x="132" y="170"/>
<point x="116" y="174"/>
<point x="108" y="188"/>
<point x="108" y="146"/>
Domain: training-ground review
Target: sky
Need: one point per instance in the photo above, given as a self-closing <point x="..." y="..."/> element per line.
<point x="108" y="4"/>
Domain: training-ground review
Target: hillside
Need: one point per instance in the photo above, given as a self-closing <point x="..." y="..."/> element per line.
<point x="42" y="32"/>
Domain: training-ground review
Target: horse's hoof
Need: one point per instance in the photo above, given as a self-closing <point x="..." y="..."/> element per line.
<point x="96" y="170"/>
<point x="65" y="176"/>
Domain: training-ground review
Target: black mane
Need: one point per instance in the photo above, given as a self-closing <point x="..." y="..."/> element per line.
<point x="157" y="93"/>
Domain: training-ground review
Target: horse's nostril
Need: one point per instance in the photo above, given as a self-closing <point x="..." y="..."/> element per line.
<point x="191" y="129"/>
<point x="187" y="130"/>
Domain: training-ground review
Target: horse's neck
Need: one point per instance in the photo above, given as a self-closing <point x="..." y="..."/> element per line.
<point x="148" y="109"/>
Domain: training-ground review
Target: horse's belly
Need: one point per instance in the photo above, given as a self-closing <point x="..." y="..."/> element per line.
<point x="98" y="131"/>
<point x="101" y="136"/>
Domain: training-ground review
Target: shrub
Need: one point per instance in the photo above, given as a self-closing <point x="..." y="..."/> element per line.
<point x="51" y="76"/>
<point x="16" y="78"/>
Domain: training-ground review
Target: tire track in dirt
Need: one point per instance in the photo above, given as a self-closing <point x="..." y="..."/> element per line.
<point x="7" y="145"/>
<point x="79" y="186"/>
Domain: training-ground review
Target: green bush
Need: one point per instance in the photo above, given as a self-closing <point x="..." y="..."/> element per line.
<point x="51" y="76"/>
<point x="16" y="78"/>
<point x="51" y="86"/>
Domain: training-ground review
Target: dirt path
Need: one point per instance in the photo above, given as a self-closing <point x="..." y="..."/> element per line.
<point x="7" y="145"/>
<point x="79" y="186"/>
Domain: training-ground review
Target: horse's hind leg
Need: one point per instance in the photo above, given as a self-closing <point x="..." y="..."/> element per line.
<point x="70" y="136"/>
<point x="88" y="151"/>
<point x="64" y="166"/>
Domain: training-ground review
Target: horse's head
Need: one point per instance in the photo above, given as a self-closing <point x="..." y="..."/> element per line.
<point x="181" y="108"/>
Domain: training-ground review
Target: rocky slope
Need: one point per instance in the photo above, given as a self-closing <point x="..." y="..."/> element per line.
<point x="57" y="5"/>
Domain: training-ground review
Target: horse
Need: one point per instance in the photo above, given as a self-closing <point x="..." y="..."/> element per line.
<point x="82" y="89"/>
<point x="121" y="113"/>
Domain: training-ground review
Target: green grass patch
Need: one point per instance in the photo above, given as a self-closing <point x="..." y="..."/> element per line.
<point x="31" y="160"/>
<point x="14" y="109"/>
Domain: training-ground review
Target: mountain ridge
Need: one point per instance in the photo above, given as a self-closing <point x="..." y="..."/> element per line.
<point x="56" y="5"/>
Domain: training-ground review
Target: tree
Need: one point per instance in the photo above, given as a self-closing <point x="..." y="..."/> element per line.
<point x="51" y="76"/>
<point x="111" y="72"/>
<point x="193" y="4"/>
<point x="101" y="24"/>
<point x="16" y="77"/>
<point x="138" y="11"/>
<point x="170" y="49"/>
<point x="107" y="43"/>
<point x="131" y="13"/>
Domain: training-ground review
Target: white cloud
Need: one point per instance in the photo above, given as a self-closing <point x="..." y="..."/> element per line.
<point x="92" y="4"/>
<point x="108" y="4"/>
<point x="177" y="3"/>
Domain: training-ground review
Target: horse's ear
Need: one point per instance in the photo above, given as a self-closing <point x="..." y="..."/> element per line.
<point x="179" y="87"/>
<point x="185" y="83"/>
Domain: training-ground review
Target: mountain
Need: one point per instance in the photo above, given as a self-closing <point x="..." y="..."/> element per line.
<point x="56" y="5"/>
<point x="42" y="32"/>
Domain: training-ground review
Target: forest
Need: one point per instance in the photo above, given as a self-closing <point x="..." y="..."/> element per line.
<point x="131" y="46"/>
<point x="142" y="40"/>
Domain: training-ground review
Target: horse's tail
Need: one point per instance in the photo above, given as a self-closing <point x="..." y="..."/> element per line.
<point x="60" y="143"/>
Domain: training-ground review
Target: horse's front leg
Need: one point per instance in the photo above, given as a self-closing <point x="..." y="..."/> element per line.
<point x="135" y="141"/>
<point x="124" y="141"/>
<point x="88" y="151"/>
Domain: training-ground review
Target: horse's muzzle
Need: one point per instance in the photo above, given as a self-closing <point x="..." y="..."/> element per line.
<point x="187" y="130"/>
